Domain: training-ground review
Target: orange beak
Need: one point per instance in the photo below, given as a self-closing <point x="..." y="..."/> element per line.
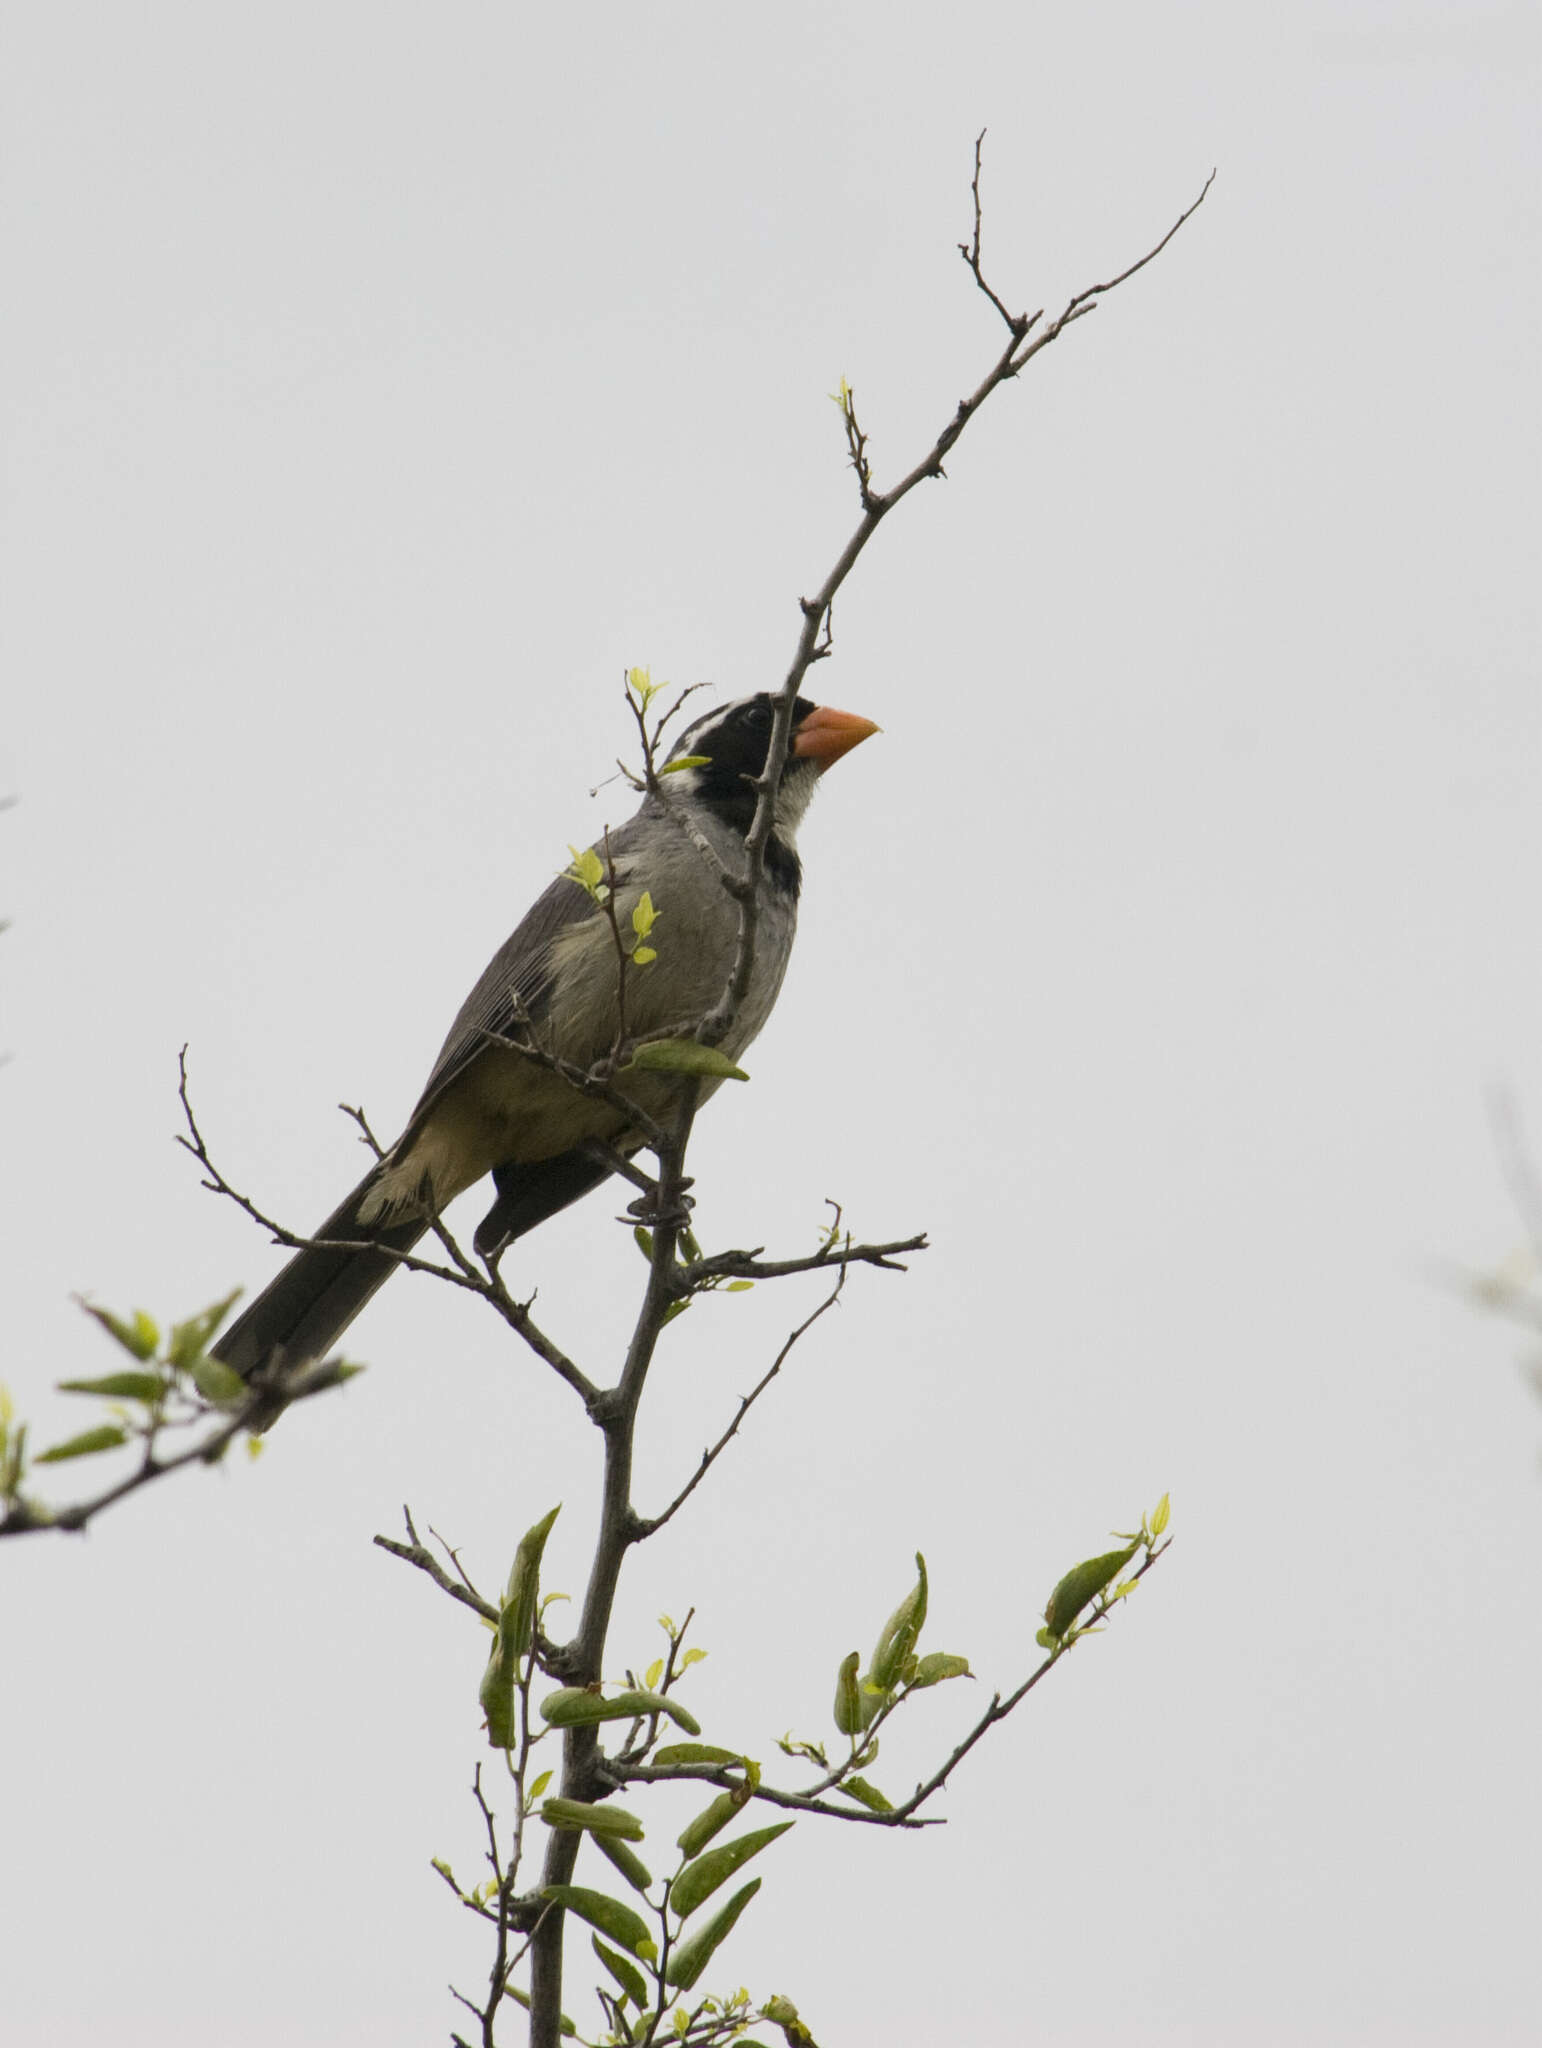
<point x="825" y="735"/>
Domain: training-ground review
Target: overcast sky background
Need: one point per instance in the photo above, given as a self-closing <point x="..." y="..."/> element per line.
<point x="379" y="382"/>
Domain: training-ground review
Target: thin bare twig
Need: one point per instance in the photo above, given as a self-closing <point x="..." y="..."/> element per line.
<point x="414" y="1552"/>
<point x="461" y="1273"/>
<point x="641" y="1529"/>
<point x="742" y="1265"/>
<point x="25" y="1518"/>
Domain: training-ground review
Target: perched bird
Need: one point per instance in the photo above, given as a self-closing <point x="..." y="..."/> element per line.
<point x="557" y="984"/>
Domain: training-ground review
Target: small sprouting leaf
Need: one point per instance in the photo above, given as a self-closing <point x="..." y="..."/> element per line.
<point x="139" y="1336"/>
<point x="865" y="1795"/>
<point x="654" y="1673"/>
<point x="588" y="871"/>
<point x="190" y="1340"/>
<point x="937" y="1666"/>
<point x="642" y="686"/>
<point x="595" y="1819"/>
<point x="609" y="1915"/>
<point x="692" y="1656"/>
<point x="108" y="1436"/>
<point x="633" y="1983"/>
<point x="685" y="761"/>
<point x="1160" y="1515"/>
<point x="701" y="1878"/>
<point x="216" y="1381"/>
<point x="683" y="1056"/>
<point x="738" y="1287"/>
<point x="627" y="1861"/>
<point x="119" y="1386"/>
<point x="539" y="1785"/>
<point x="644" y="916"/>
<point x="644" y="1241"/>
<point x="643" y="956"/>
<point x="693" y="1956"/>
<point x="814" y="1751"/>
<point x="1082" y="1584"/>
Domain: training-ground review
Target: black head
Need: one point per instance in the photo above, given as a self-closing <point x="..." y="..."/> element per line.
<point x="735" y="739"/>
<point x="729" y="748"/>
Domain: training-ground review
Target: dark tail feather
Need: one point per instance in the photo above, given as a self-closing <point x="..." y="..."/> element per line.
<point x="300" y="1314"/>
<point x="527" y="1195"/>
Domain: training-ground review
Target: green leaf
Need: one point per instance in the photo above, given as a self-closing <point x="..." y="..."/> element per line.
<point x="685" y="761"/>
<point x="695" y="1753"/>
<point x="644" y="916"/>
<point x="1160" y="1514"/>
<point x="683" y="1056"/>
<point x="539" y="1786"/>
<point x="121" y="1386"/>
<point x="565" y="2026"/>
<point x="595" y="1819"/>
<point x="573" y="1706"/>
<point x="519" y="1597"/>
<point x="849" y="1708"/>
<point x="937" y="1666"/>
<point x="511" y="1641"/>
<point x="588" y="871"/>
<point x="609" y="1915"/>
<point x="700" y="1879"/>
<point x="899" y="1634"/>
<point x="107" y="1437"/>
<point x="216" y="1381"/>
<point x="630" y="1865"/>
<point x="631" y="1979"/>
<point x="693" y="1956"/>
<point x="190" y="1340"/>
<point x="140" y="1336"/>
<point x="643" y="956"/>
<point x="712" y="1819"/>
<point x="865" y="1795"/>
<point x="1081" y="1585"/>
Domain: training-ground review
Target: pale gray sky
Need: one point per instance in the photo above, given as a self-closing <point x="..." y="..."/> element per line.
<point x="380" y="381"/>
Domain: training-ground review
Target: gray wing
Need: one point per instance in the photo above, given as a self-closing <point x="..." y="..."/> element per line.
<point x="515" y="986"/>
